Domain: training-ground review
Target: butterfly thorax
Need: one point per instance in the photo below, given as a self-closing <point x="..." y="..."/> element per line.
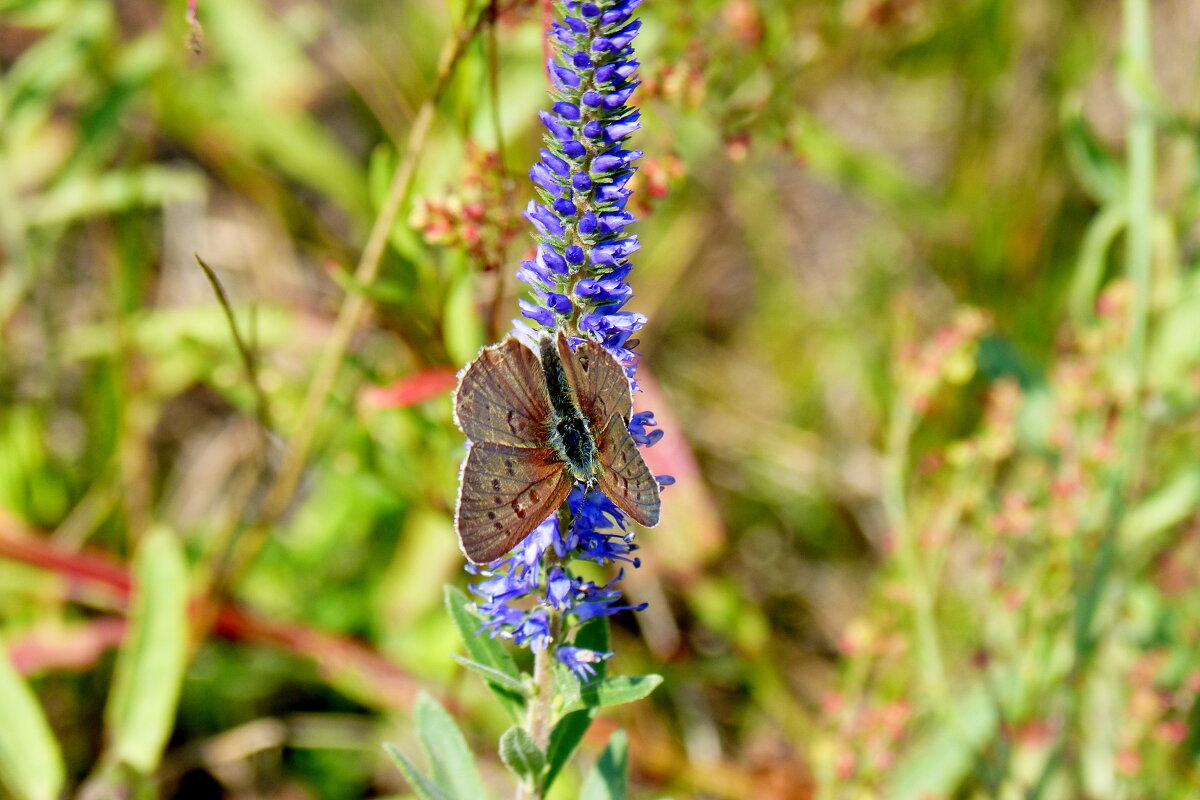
<point x="570" y="436"/>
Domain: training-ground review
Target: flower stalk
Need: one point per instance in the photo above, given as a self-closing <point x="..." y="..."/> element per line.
<point x="578" y="276"/>
<point x="578" y="279"/>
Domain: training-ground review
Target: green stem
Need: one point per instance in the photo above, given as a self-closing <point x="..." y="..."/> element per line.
<point x="539" y="720"/>
<point x="929" y="649"/>
<point x="1139" y="198"/>
<point x="1141" y="159"/>
<point x="1138" y="253"/>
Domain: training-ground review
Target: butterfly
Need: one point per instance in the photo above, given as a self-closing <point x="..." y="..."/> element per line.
<point x="537" y="423"/>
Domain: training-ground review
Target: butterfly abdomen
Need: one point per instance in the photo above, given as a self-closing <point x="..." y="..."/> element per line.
<point x="570" y="436"/>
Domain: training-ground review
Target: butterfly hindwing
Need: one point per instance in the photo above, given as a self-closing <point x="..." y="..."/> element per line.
<point x="505" y="492"/>
<point x="624" y="476"/>
<point x="598" y="380"/>
<point x="501" y="397"/>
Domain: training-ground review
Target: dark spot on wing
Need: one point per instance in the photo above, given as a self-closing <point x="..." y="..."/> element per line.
<point x="495" y="484"/>
<point x="497" y="500"/>
<point x="508" y="467"/>
<point x="533" y="495"/>
<point x="491" y="515"/>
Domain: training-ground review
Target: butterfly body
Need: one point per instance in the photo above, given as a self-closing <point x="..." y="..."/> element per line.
<point x="570" y="436"/>
<point x="537" y="423"/>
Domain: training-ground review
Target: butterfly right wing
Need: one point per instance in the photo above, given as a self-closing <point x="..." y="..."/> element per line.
<point x="504" y="493"/>
<point x="624" y="476"/>
<point x="599" y="381"/>
<point x="501" y="397"/>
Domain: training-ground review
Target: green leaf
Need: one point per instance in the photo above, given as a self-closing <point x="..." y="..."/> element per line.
<point x="1158" y="512"/>
<point x="446" y="751"/>
<point x="31" y="765"/>
<point x="521" y="755"/>
<point x="615" y="691"/>
<point x="485" y="650"/>
<point x="493" y="676"/>
<point x="1092" y="262"/>
<point x="608" y="780"/>
<point x="566" y="684"/>
<point x="425" y="788"/>
<point x="114" y="192"/>
<point x="565" y="737"/>
<point x="937" y="763"/>
<point x="150" y="664"/>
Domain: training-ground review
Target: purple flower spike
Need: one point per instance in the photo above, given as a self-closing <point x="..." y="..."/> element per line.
<point x="579" y="283"/>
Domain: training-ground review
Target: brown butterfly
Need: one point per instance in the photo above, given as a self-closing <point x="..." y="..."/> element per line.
<point x="539" y="422"/>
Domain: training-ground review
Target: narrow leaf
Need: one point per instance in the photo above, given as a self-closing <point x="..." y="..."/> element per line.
<point x="446" y="751"/>
<point x="520" y="754"/>
<point x="622" y="689"/>
<point x="936" y="763"/>
<point x="425" y="788"/>
<point x="493" y="676"/>
<point x="149" y="669"/>
<point x="31" y="765"/>
<point x="485" y="650"/>
<point x="609" y="779"/>
<point x="565" y="737"/>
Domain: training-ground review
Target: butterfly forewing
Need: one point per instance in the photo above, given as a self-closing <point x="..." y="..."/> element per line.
<point x="624" y="476"/>
<point x="506" y="492"/>
<point x="501" y="397"/>
<point x="599" y="381"/>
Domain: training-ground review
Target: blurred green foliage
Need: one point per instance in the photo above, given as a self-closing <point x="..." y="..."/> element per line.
<point x="923" y="294"/>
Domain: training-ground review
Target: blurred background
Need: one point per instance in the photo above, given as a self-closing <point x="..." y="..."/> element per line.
<point x="924" y="336"/>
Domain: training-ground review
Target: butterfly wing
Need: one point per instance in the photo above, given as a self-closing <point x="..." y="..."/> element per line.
<point x="624" y="476"/>
<point x="599" y="381"/>
<point x="501" y="397"/>
<point x="504" y="493"/>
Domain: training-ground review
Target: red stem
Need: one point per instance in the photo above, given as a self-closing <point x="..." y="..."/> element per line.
<point x="334" y="655"/>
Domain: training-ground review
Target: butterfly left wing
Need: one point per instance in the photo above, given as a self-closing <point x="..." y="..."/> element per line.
<point x="504" y="493"/>
<point x="501" y="397"/>
<point x="624" y="476"/>
<point x="598" y="380"/>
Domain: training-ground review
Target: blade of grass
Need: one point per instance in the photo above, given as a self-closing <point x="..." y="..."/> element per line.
<point x="148" y="676"/>
<point x="31" y="765"/>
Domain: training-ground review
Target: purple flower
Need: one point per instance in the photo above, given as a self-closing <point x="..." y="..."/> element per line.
<point x="545" y="220"/>
<point x="621" y="128"/>
<point x="580" y="661"/>
<point x="637" y="429"/>
<point x="567" y="110"/>
<point x="564" y="78"/>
